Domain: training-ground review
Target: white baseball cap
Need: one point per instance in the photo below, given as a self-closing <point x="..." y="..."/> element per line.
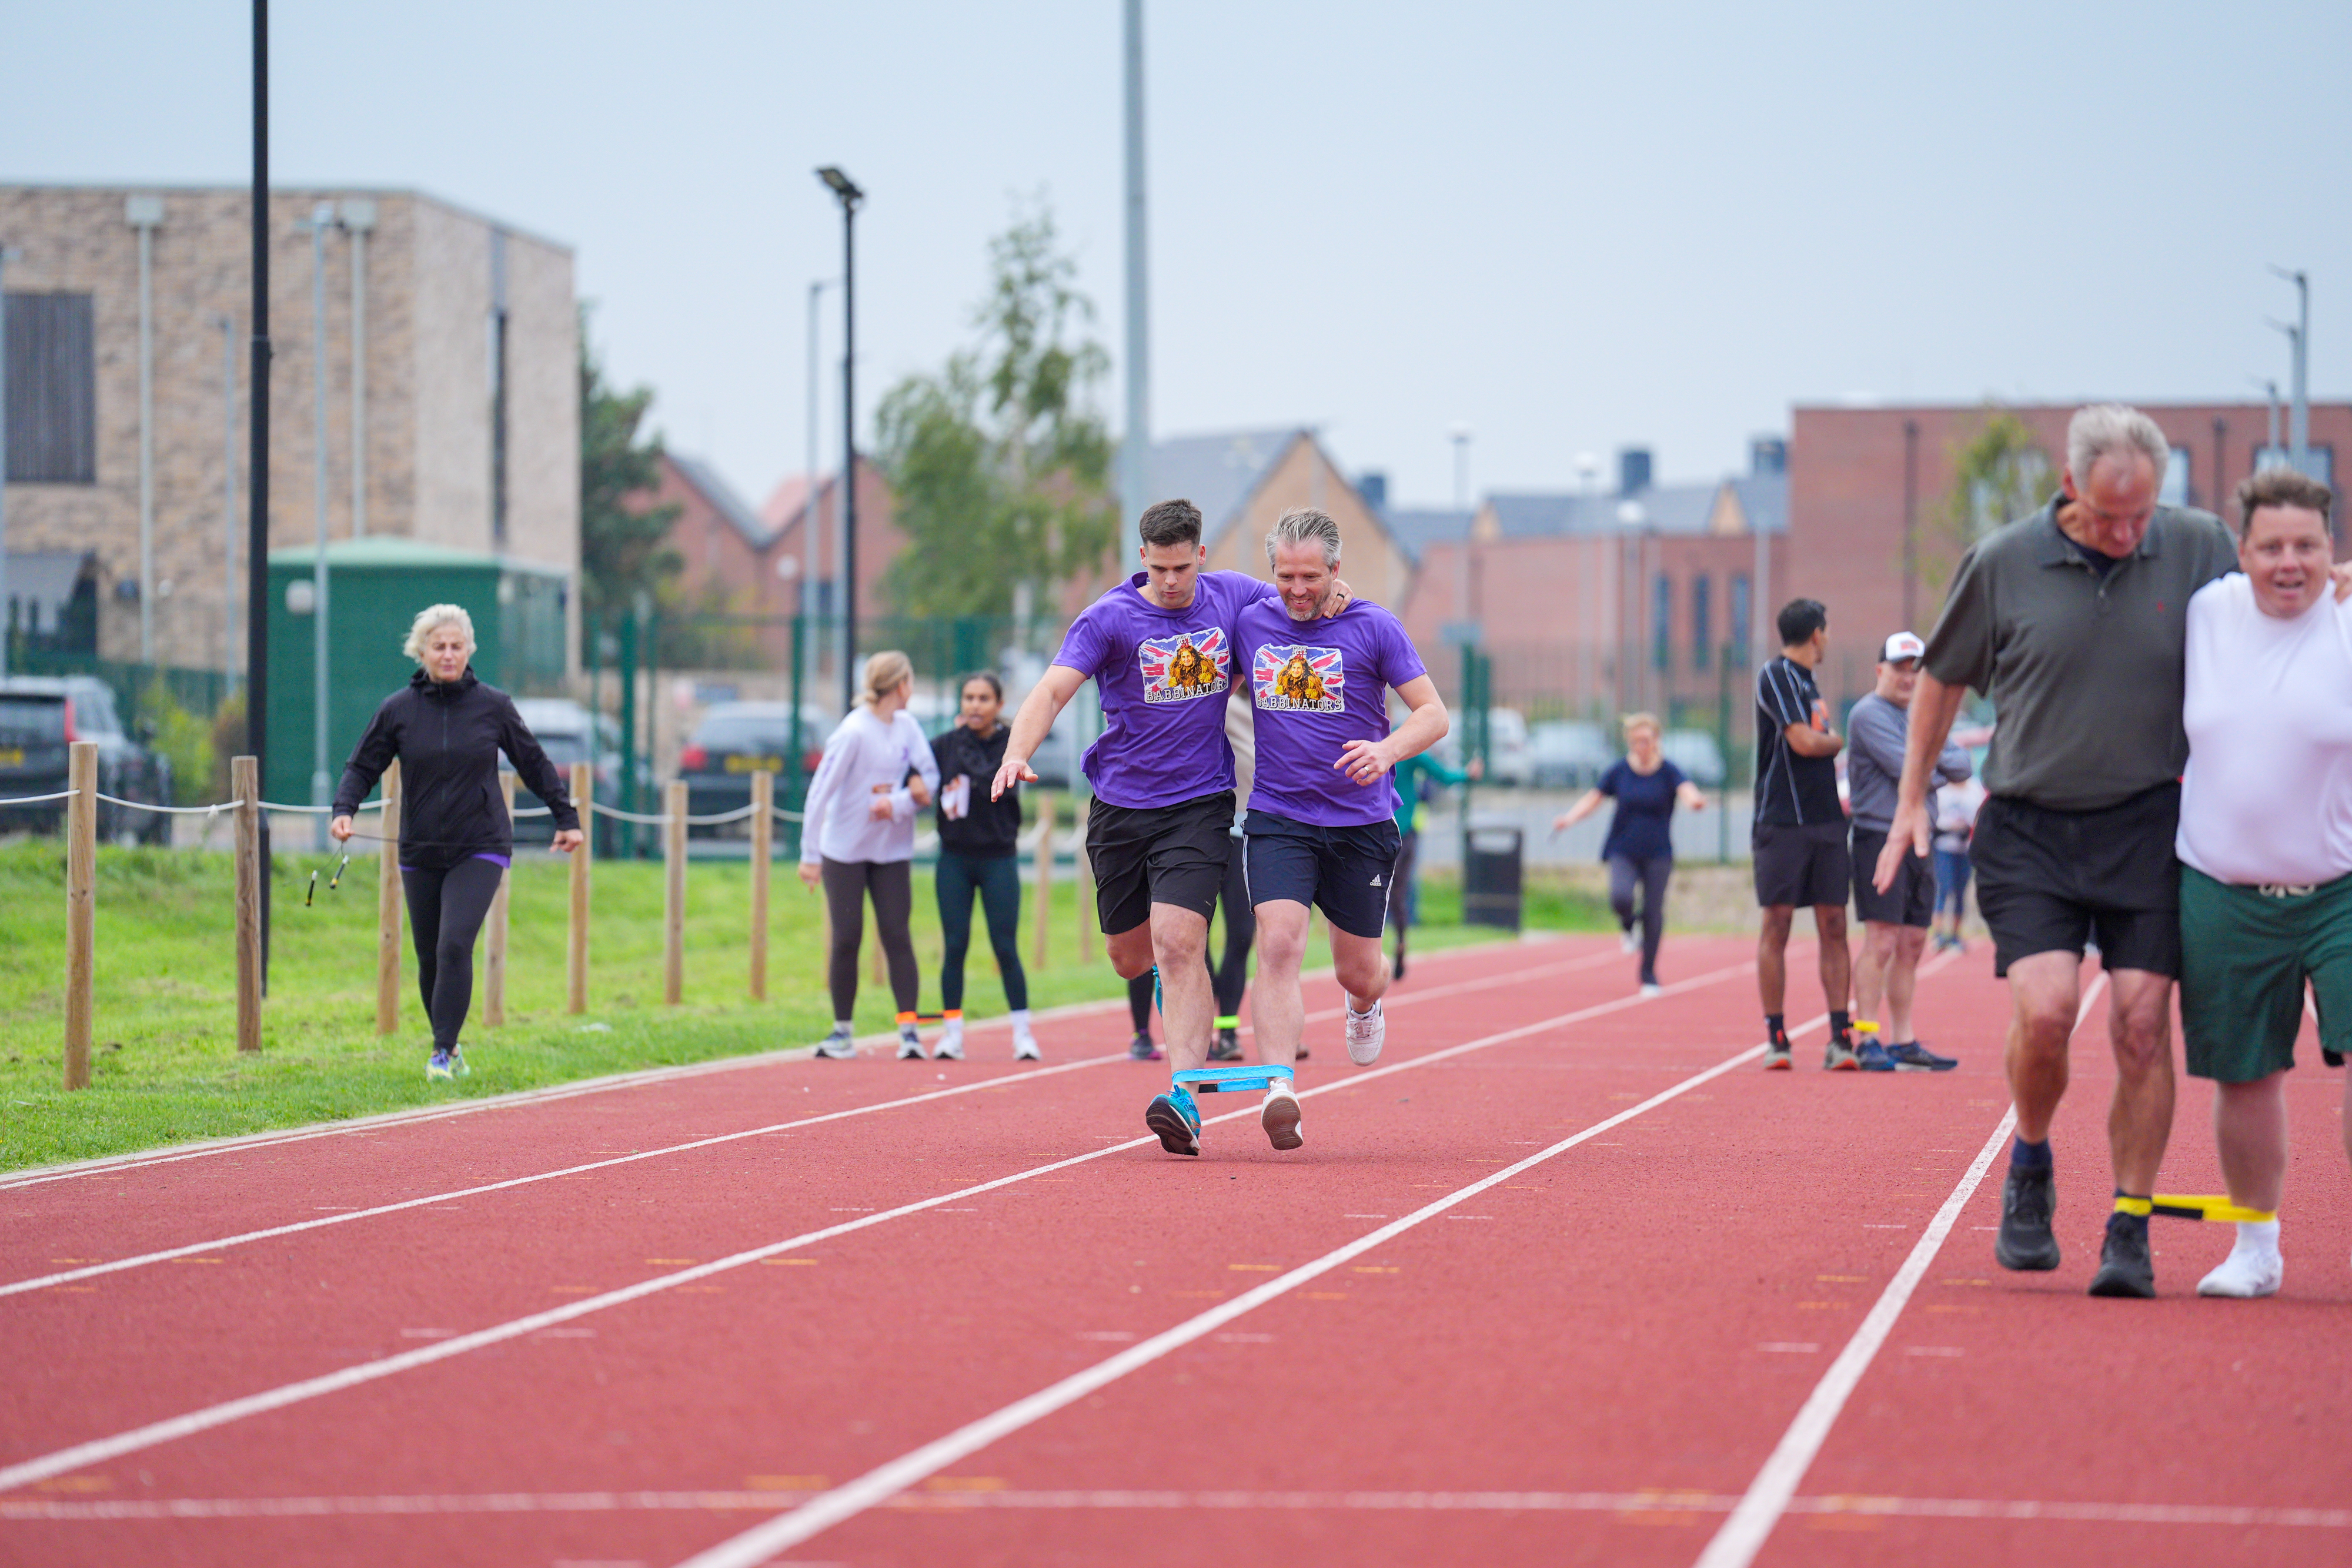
<point x="1901" y="646"/>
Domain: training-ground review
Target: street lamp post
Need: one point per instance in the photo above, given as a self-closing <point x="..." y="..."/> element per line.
<point x="846" y="191"/>
<point x="2299" y="426"/>
<point x="323" y="218"/>
<point x="7" y="620"/>
<point x="227" y="325"/>
<point x="810" y="565"/>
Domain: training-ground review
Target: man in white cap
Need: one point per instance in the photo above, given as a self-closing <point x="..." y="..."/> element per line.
<point x="1894" y="923"/>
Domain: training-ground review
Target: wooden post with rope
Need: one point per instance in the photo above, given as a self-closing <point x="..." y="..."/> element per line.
<point x="494" y="948"/>
<point x="81" y="908"/>
<point x="387" y="909"/>
<point x="575" y="941"/>
<point x="245" y="783"/>
<point x="673" y="894"/>
<point x="1044" y="880"/>
<point x="763" y="823"/>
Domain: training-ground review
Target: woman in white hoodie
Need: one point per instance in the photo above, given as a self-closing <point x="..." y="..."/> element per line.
<point x="859" y="839"/>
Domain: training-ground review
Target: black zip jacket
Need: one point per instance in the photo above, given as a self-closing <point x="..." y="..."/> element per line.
<point x="447" y="738"/>
<point x="989" y="827"/>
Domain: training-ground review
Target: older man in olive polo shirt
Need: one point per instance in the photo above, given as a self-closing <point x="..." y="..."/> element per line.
<point x="2073" y="621"/>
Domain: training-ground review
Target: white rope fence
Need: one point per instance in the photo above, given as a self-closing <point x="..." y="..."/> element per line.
<point x="648" y="819"/>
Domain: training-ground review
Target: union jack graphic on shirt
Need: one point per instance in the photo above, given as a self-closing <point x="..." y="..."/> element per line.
<point x="1299" y="680"/>
<point x="1185" y="665"/>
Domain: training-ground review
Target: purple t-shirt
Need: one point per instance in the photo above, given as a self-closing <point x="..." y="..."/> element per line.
<point x="1317" y="685"/>
<point x="1162" y="675"/>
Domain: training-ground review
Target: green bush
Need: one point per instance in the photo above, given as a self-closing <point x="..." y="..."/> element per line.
<point x="183" y="739"/>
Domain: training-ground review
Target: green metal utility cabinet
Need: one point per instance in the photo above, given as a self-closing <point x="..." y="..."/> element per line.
<point x="375" y="587"/>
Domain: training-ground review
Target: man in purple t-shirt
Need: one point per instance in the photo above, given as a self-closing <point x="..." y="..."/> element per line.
<point x="1158" y="648"/>
<point x="1321" y="828"/>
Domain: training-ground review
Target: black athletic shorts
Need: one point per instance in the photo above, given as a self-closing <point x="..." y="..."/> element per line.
<point x="1344" y="871"/>
<point x="2046" y="880"/>
<point x="1911" y="901"/>
<point x="1157" y="854"/>
<point x="1805" y="867"/>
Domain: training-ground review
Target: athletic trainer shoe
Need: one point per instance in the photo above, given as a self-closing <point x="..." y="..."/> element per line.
<point x="1176" y="1120"/>
<point x="457" y="1060"/>
<point x="951" y="1045"/>
<point x="2125" y="1266"/>
<point x="1627" y="941"/>
<point x="1652" y="988"/>
<point x="1775" y="1053"/>
<point x="440" y="1067"/>
<point x="910" y="1044"/>
<point x="1872" y="1057"/>
<point x="1141" y="1047"/>
<point x="1228" y="1046"/>
<point x="1366" y="1031"/>
<point x="1912" y="1057"/>
<point x="1025" y="1044"/>
<point x="1280" y="1119"/>
<point x="2246" y="1273"/>
<point x="838" y="1046"/>
<point x="2025" y="1243"/>
<point x="1838" y="1055"/>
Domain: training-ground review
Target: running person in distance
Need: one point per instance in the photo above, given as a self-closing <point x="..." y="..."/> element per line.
<point x="977" y="849"/>
<point x="2075" y="621"/>
<point x="1640" y="847"/>
<point x="1321" y="828"/>
<point x="1956" y="807"/>
<point x="858" y="839"/>
<point x="1799" y="836"/>
<point x="446" y="729"/>
<point x="2266" y="845"/>
<point x="1158" y="648"/>
<point x="1404" y="882"/>
<point x="1894" y="923"/>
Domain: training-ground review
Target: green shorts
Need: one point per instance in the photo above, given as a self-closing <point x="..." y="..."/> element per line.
<point x="2245" y="953"/>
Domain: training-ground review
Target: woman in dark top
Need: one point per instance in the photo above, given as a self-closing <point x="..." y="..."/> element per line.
<point x="446" y="729"/>
<point x="1640" y="848"/>
<point x="977" y="856"/>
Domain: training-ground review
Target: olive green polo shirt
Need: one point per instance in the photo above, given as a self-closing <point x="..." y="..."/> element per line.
<point x="2085" y="671"/>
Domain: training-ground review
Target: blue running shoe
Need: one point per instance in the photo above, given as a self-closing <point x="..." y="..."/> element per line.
<point x="458" y="1068"/>
<point x="1870" y="1057"/>
<point x="1176" y="1120"/>
<point x="1912" y="1057"/>
<point x="440" y="1066"/>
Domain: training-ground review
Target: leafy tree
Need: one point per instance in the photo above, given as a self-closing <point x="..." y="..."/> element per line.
<point x="999" y="463"/>
<point x="622" y="549"/>
<point x="1999" y="475"/>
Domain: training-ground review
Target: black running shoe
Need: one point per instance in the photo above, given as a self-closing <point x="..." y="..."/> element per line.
<point x="2125" y="1267"/>
<point x="1228" y="1046"/>
<point x="2026" y="1200"/>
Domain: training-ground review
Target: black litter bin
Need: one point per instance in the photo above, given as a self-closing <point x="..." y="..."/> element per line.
<point x="1492" y="873"/>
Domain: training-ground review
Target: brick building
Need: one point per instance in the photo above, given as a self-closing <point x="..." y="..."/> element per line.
<point x="452" y="350"/>
<point x="1856" y="475"/>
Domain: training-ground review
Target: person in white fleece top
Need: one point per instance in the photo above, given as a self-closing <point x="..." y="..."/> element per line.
<point x="2265" y="846"/>
<point x="858" y="840"/>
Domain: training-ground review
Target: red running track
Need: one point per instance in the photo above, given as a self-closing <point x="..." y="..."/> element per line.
<point x="1553" y="1283"/>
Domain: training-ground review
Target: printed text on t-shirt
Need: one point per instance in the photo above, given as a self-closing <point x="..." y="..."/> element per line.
<point x="1297" y="679"/>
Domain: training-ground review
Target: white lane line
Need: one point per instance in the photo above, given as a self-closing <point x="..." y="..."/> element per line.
<point x="1743" y="1535"/>
<point x="2221" y="1515"/>
<point x="114" y="1164"/>
<point x="67" y="1277"/>
<point x="884" y="1481"/>
<point x="98" y="1450"/>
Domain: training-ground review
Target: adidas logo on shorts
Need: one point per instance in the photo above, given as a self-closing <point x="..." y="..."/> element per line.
<point x="1376" y="880"/>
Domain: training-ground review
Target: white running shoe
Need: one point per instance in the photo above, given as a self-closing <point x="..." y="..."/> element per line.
<point x="951" y="1045"/>
<point x="1628" y="942"/>
<point x="1366" y="1031"/>
<point x="910" y="1044"/>
<point x="1279" y="1117"/>
<point x="1025" y="1045"/>
<point x="2253" y="1268"/>
<point x="1650" y="988"/>
<point x="838" y="1046"/>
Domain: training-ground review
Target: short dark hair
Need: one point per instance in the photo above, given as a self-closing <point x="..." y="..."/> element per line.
<point x="1174" y="522"/>
<point x="989" y="675"/>
<point x="1800" y="619"/>
<point x="2282" y="487"/>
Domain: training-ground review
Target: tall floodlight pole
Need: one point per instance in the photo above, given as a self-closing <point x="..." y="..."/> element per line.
<point x="7" y="620"/>
<point x="323" y="218"/>
<point x="359" y="217"/>
<point x="2298" y="438"/>
<point x="227" y="325"/>
<point x="143" y="213"/>
<point x="850" y="196"/>
<point x="1135" y="455"/>
<point x="257" y="486"/>
<point x="1461" y="438"/>
<point x="810" y="566"/>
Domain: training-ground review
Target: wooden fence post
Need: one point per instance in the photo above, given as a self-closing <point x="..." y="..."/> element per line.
<point x="81" y="908"/>
<point x="1044" y="879"/>
<point x="674" y="896"/>
<point x="575" y="951"/>
<point x="387" y="909"/>
<point x="494" y="952"/>
<point x="245" y="783"/>
<point x="763" y="798"/>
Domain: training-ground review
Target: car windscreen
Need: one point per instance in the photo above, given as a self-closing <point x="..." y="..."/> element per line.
<point x="28" y="719"/>
<point x="748" y="732"/>
<point x="94" y="711"/>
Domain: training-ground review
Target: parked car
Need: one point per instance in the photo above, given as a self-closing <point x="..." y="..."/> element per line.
<point x="734" y="741"/>
<point x="48" y="714"/>
<point x="1696" y="754"/>
<point x="1566" y="754"/>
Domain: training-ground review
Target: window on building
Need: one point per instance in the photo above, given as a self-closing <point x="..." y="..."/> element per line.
<point x="1743" y="612"/>
<point x="52" y="370"/>
<point x="2177" y="480"/>
<point x="1662" y="623"/>
<point x="2320" y="465"/>
<point x="1702" y="621"/>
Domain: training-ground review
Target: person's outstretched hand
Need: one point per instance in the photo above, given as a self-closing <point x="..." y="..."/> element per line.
<point x="1015" y="771"/>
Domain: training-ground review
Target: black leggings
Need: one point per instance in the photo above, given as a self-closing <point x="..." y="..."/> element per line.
<point x="892" y="883"/>
<point x="1230" y="978"/>
<point x="1650" y="871"/>
<point x="446" y="910"/>
<point x="997" y="880"/>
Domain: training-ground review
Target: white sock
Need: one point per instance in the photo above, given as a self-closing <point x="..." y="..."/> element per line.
<point x="2258" y="1238"/>
<point x="842" y="1025"/>
<point x="1021" y="1020"/>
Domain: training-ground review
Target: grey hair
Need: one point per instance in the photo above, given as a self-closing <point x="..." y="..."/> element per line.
<point x="1303" y="525"/>
<point x="2112" y="428"/>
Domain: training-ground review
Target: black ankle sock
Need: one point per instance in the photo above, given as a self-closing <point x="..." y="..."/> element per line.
<point x="1838" y="1023"/>
<point x="1775" y="1025"/>
<point x="2029" y="1156"/>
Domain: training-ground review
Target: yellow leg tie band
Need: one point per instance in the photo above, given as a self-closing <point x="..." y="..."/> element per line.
<point x="2216" y="1207"/>
<point x="2142" y="1207"/>
<point x="1863" y="1025"/>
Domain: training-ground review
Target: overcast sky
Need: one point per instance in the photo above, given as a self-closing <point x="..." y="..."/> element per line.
<point x="1569" y="227"/>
